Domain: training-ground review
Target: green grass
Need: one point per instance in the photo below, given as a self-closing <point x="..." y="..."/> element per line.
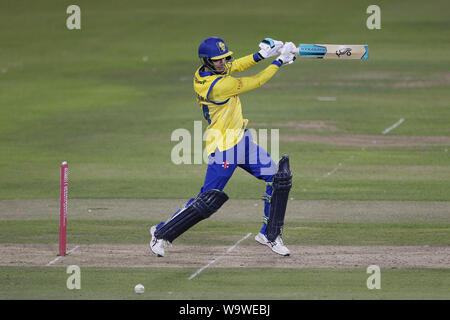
<point x="106" y="99"/>
<point x="219" y="233"/>
<point x="87" y="96"/>
<point x="370" y="174"/>
<point x="223" y="284"/>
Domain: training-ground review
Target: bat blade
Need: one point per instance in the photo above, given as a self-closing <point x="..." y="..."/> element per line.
<point x="334" y="51"/>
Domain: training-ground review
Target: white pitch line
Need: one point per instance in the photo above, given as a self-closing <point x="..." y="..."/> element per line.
<point x="395" y="125"/>
<point x="333" y="171"/>
<point x="59" y="257"/>
<point x="218" y="258"/>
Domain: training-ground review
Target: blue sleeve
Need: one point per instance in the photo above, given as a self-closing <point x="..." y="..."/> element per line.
<point x="277" y="63"/>
<point x="257" y="57"/>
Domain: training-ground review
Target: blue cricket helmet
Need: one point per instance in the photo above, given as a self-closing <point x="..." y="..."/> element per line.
<point x="213" y="48"/>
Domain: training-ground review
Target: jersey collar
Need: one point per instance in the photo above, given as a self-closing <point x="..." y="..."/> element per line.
<point x="208" y="73"/>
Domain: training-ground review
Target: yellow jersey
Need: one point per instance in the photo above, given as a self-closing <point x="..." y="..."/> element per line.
<point x="217" y="95"/>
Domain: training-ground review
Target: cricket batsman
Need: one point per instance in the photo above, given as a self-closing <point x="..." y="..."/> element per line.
<point x="230" y="145"/>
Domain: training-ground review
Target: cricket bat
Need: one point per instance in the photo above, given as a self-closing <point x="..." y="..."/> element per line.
<point x="334" y="51"/>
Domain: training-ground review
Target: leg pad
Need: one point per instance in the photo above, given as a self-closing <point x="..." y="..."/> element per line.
<point x="201" y="208"/>
<point x="282" y="183"/>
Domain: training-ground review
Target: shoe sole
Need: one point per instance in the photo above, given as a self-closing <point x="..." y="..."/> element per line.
<point x="281" y="254"/>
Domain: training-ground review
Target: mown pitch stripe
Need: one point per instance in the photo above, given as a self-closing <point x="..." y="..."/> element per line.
<point x="218" y="258"/>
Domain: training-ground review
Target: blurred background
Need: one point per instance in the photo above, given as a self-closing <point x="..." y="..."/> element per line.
<point x="107" y="97"/>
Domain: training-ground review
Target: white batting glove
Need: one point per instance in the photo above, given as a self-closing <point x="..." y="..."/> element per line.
<point x="269" y="48"/>
<point x="288" y="53"/>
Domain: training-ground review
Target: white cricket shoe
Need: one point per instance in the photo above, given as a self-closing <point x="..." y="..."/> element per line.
<point x="277" y="246"/>
<point x="157" y="245"/>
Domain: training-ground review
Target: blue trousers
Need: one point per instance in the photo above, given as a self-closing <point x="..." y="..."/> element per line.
<point x="246" y="155"/>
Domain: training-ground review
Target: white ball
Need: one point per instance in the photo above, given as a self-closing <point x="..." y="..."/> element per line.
<point x="139" y="288"/>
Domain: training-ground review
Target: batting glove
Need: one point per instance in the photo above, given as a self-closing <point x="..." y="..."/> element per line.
<point x="269" y="48"/>
<point x="288" y="53"/>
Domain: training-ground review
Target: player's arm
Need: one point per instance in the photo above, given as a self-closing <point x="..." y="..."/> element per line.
<point x="230" y="86"/>
<point x="226" y="87"/>
<point x="244" y="63"/>
<point x="268" y="48"/>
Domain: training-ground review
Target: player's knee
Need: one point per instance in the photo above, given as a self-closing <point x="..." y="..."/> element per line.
<point x="209" y="202"/>
<point x="283" y="178"/>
